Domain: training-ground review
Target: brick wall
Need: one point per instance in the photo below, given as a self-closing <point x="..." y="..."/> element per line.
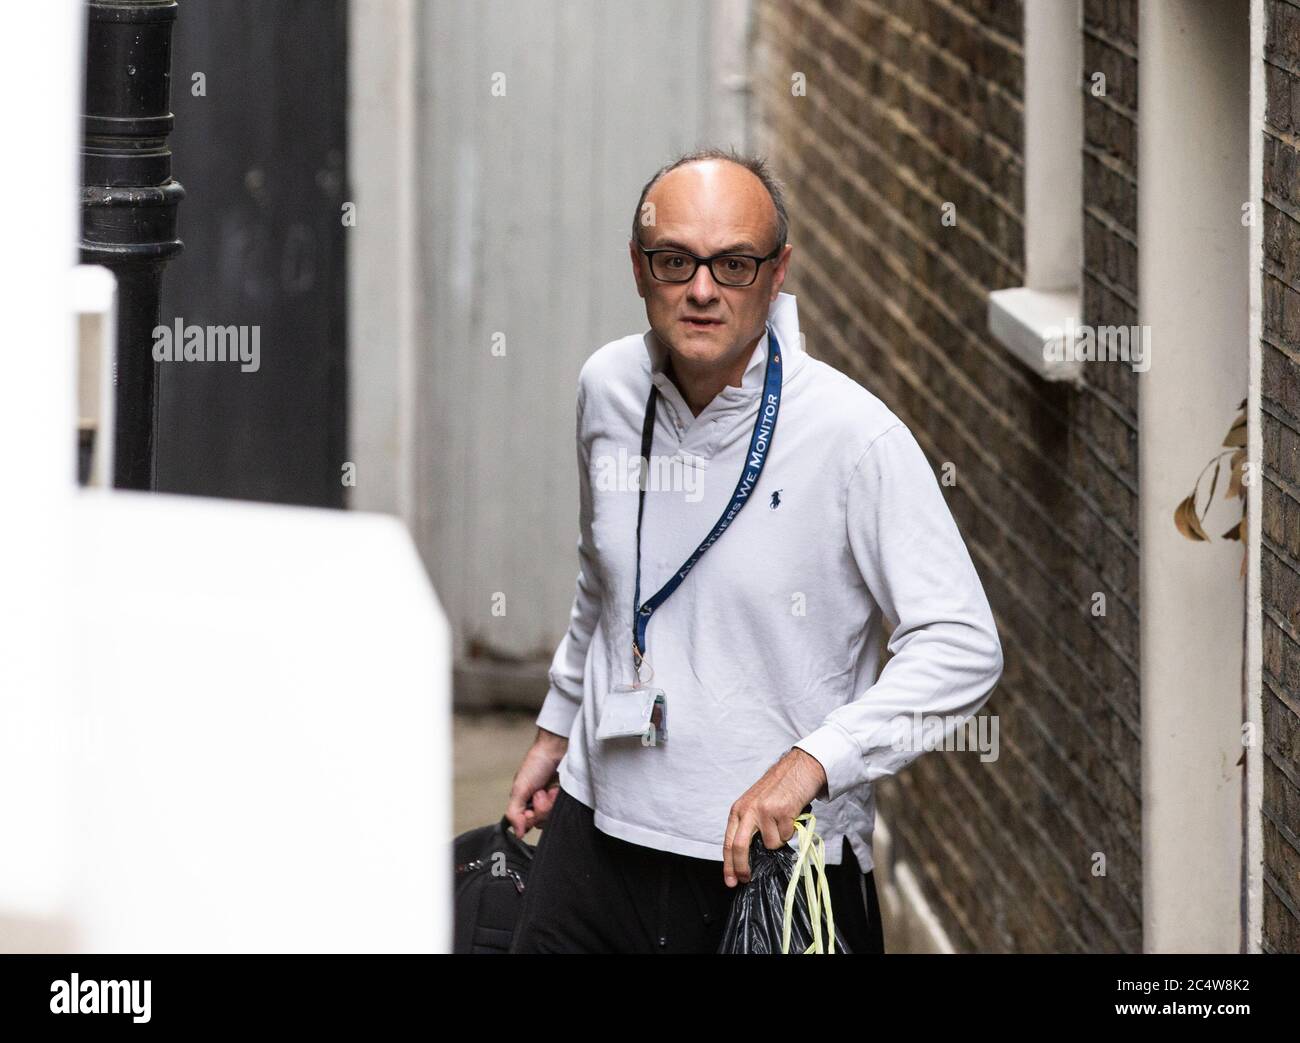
<point x="1280" y="425"/>
<point x="909" y="105"/>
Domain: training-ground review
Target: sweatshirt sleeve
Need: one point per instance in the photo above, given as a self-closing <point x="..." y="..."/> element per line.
<point x="945" y="647"/>
<point x="569" y="663"/>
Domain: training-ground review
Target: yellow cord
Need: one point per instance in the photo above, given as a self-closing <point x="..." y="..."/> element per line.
<point x="811" y="866"/>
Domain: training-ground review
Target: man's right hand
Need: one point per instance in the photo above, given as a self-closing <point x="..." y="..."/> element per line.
<point x="536" y="781"/>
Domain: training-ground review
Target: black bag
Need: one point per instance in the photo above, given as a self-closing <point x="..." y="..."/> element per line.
<point x="757" y="915"/>
<point x="491" y="872"/>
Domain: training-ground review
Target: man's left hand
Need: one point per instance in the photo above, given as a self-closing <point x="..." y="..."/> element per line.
<point x="769" y="807"/>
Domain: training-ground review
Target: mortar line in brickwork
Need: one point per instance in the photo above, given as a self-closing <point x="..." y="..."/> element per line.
<point x="1043" y="674"/>
<point x="1009" y="151"/>
<point x="897" y="119"/>
<point x="1124" y="415"/>
<point x="1069" y="610"/>
<point x="1283" y="624"/>
<point x="1132" y="786"/>
<point x="1103" y="37"/>
<point x="973" y="23"/>
<point x="941" y="842"/>
<point x="1284" y="558"/>
<point x="1104" y="218"/>
<point x="967" y="385"/>
<point x="905" y="175"/>
<point x="1018" y="695"/>
<point x="945" y="55"/>
<point x="945" y="258"/>
<point x="929" y="247"/>
<point x="1050" y="841"/>
<point x="1283" y="64"/>
<point x="1044" y="677"/>
<point x="1027" y="879"/>
<point x="932" y="843"/>
<point x="1113" y="164"/>
<point x="1275" y="885"/>
<point x="1281" y="763"/>
<point x="1274" y="271"/>
<point x="1282" y="206"/>
<point x="1292" y="356"/>
<point x="898" y="265"/>
<point x="1288" y="3"/>
<point x="1275" y="136"/>
<point x="1031" y="870"/>
<point x="1107" y="102"/>
<point x="1283" y="829"/>
<point x="1282" y="488"/>
<point x="1112" y="288"/>
<point x="901" y="221"/>
<point x="1274" y="409"/>
<point x="1273" y="684"/>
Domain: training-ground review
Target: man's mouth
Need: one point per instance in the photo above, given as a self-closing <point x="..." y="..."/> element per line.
<point x="700" y="323"/>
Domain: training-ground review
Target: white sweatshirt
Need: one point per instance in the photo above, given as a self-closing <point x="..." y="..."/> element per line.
<point x="773" y="639"/>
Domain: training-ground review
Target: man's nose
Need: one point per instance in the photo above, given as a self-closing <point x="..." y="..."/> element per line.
<point x="703" y="289"/>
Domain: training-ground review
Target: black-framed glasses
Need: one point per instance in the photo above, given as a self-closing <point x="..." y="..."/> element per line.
<point x="674" y="265"/>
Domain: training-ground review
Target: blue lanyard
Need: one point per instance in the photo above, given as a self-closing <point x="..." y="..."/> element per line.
<point x="759" y="444"/>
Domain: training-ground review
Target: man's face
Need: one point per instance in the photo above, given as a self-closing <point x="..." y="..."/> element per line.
<point x="708" y="208"/>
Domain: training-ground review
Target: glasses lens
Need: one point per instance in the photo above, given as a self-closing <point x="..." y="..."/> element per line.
<point x="734" y="270"/>
<point x="672" y="267"/>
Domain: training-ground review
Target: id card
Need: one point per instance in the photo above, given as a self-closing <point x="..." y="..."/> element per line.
<point x="634" y="712"/>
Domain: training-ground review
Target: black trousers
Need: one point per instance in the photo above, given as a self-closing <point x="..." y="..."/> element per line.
<point x="589" y="892"/>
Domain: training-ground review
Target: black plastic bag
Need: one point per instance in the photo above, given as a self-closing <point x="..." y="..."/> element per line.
<point x="758" y="910"/>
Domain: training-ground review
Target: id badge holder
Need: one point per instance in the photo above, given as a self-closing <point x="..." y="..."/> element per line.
<point x="634" y="711"/>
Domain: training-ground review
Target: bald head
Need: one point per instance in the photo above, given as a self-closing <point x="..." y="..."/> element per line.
<point x="724" y="207"/>
<point x="723" y="171"/>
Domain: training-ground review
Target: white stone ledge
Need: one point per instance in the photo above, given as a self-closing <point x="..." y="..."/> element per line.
<point x="1027" y="321"/>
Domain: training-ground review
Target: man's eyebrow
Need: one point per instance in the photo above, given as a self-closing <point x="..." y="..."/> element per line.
<point x="744" y="246"/>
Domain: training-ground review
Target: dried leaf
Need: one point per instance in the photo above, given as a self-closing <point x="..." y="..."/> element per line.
<point x="1235" y="488"/>
<point x="1214" y="480"/>
<point x="1187" y="522"/>
<point x="1236" y="434"/>
<point x="1235" y="532"/>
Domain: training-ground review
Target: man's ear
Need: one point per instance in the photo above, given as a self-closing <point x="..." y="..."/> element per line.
<point x="778" y="274"/>
<point x="638" y="272"/>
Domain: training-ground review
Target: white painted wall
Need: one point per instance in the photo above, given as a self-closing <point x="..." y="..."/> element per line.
<point x="1194" y="275"/>
<point x="383" y="258"/>
<point x="521" y="208"/>
<point x="1053" y="127"/>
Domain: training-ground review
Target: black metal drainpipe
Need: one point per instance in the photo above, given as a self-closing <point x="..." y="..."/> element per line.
<point x="128" y="204"/>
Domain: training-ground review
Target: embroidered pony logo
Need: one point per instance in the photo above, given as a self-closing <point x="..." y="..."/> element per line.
<point x="776" y="500"/>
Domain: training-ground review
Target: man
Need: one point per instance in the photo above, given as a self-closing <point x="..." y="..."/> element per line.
<point x="719" y="672"/>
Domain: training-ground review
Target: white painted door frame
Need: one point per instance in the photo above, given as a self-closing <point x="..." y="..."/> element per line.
<point x="1194" y="276"/>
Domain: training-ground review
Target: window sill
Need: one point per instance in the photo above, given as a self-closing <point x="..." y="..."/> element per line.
<point x="1027" y="321"/>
